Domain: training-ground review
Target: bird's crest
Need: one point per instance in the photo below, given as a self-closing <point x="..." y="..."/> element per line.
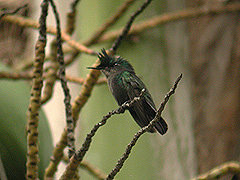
<point x="105" y="59"/>
<point x="110" y="61"/>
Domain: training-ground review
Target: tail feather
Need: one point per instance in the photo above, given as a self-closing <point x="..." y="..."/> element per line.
<point x="161" y="126"/>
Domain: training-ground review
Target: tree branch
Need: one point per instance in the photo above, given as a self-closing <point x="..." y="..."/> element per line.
<point x="5" y="12"/>
<point x="71" y="18"/>
<point x="172" y="17"/>
<point x="54" y="66"/>
<point x="77" y="105"/>
<point x="29" y="76"/>
<point x="127" y="27"/>
<point x="78" y="157"/>
<point x="145" y="25"/>
<point x="221" y="170"/>
<point x="110" y="22"/>
<point x="35" y="99"/>
<point x="67" y="99"/>
<point x="94" y="171"/>
<point x="27" y="22"/>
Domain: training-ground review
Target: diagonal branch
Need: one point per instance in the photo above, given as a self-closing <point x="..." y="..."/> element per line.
<point x="94" y="171"/>
<point x="27" y="22"/>
<point x="5" y="12"/>
<point x="172" y="17"/>
<point x="145" y="25"/>
<point x="127" y="27"/>
<point x="77" y="105"/>
<point x="78" y="157"/>
<point x="221" y="170"/>
<point x="110" y="22"/>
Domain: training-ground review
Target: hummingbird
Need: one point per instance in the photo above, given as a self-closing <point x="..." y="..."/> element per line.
<point x="125" y="85"/>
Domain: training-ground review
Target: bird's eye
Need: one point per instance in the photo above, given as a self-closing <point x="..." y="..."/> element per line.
<point x="115" y="64"/>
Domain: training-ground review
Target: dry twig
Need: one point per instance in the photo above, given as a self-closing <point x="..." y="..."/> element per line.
<point x="150" y="23"/>
<point x="145" y="25"/>
<point x="67" y="100"/>
<point x="27" y="76"/>
<point x="27" y="22"/>
<point x="94" y="171"/>
<point x="172" y="17"/>
<point x="5" y="12"/>
<point x="127" y="27"/>
<point x="54" y="66"/>
<point x="110" y="22"/>
<point x="79" y="102"/>
<point x="71" y="18"/>
<point x="232" y="167"/>
<point x="78" y="157"/>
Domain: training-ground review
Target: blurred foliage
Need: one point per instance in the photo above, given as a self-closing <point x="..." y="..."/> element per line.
<point x="14" y="97"/>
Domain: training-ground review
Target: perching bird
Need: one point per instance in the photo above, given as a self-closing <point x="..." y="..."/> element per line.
<point x="125" y="85"/>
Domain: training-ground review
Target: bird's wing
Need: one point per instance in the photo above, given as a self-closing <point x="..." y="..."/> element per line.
<point x="142" y="111"/>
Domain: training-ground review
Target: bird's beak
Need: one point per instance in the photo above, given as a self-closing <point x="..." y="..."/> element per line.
<point x="97" y="68"/>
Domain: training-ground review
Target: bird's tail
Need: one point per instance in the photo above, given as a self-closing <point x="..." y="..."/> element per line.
<point x="161" y="126"/>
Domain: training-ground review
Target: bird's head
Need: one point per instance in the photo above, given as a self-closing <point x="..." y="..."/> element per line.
<point x="112" y="64"/>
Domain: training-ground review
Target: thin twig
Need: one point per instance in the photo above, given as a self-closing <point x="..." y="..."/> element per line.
<point x="51" y="76"/>
<point x="127" y="152"/>
<point x="110" y="22"/>
<point x="78" y="157"/>
<point x="172" y="17"/>
<point x="93" y="170"/>
<point x="35" y="99"/>
<point x="151" y="23"/>
<point x="15" y="76"/>
<point x="71" y="18"/>
<point x="28" y="76"/>
<point x="81" y="80"/>
<point x="232" y="167"/>
<point x="128" y="26"/>
<point x="67" y="99"/>
<point x="5" y="12"/>
<point x="77" y="105"/>
<point x="27" y="22"/>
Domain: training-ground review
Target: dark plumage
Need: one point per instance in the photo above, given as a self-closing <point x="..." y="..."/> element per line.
<point x="125" y="85"/>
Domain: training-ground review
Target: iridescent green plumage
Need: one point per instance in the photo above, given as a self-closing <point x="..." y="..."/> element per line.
<point x="125" y="85"/>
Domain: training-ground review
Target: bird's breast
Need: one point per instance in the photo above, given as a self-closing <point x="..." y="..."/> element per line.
<point x="118" y="89"/>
